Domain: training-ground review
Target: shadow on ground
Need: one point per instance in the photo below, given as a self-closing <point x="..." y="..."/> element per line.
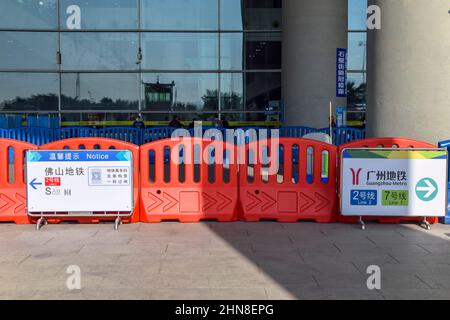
<point x="224" y="261"/>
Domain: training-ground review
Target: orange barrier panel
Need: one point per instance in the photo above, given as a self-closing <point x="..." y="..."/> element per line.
<point x="303" y="190"/>
<point x="175" y="187"/>
<point x="384" y="143"/>
<point x="12" y="181"/>
<point x="102" y="144"/>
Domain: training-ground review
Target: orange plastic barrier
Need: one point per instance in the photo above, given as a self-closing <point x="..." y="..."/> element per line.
<point x="102" y="144"/>
<point x="385" y="143"/>
<point x="13" y="188"/>
<point x="303" y="190"/>
<point x="175" y="187"/>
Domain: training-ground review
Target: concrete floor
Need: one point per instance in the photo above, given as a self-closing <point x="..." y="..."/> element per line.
<point x="224" y="261"/>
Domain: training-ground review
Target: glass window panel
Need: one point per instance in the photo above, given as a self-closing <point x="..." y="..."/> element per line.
<point x="179" y="14"/>
<point x="356" y="87"/>
<point x="99" y="91"/>
<point x="232" y="91"/>
<point x="180" y="51"/>
<point x="29" y="91"/>
<point x="101" y="14"/>
<point x="357" y="78"/>
<point x="28" y="50"/>
<point x="70" y="119"/>
<point x="185" y="118"/>
<point x="94" y="119"/>
<point x="231" y="52"/>
<point x="256" y="117"/>
<point x="126" y="118"/>
<point x="357" y="43"/>
<point x="99" y="51"/>
<point x="232" y="14"/>
<point x="30" y="14"/>
<point x="357" y="14"/>
<point x="180" y="92"/>
<point x="232" y="117"/>
<point x="108" y="118"/>
<point x="263" y="92"/>
<point x="356" y="99"/>
<point x="263" y="15"/>
<point x="263" y="50"/>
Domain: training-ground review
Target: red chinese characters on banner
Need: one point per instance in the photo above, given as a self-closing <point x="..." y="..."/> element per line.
<point x="53" y="182"/>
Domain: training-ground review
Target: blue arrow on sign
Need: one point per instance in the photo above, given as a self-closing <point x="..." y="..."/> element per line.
<point x="33" y="184"/>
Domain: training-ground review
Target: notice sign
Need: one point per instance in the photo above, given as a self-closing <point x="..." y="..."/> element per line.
<point x="79" y="181"/>
<point x="394" y="182"/>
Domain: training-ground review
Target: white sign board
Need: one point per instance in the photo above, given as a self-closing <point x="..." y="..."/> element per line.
<point x="394" y="182"/>
<point x="79" y="181"/>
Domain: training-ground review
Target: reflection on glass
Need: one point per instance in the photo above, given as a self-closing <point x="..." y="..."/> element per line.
<point x="263" y="50"/>
<point x="231" y="14"/>
<point x="102" y="14"/>
<point x="186" y="118"/>
<point x="233" y="117"/>
<point x="70" y="119"/>
<point x="231" y="52"/>
<point x="356" y="87"/>
<point x="356" y="98"/>
<point x="29" y="91"/>
<point x="263" y="15"/>
<point x="28" y="50"/>
<point x="231" y="91"/>
<point x="99" y="51"/>
<point x="74" y="119"/>
<point x="263" y="92"/>
<point x="99" y="91"/>
<point x="180" y="51"/>
<point x="121" y="117"/>
<point x="358" y="78"/>
<point x="30" y="14"/>
<point x="357" y="14"/>
<point x="180" y="92"/>
<point x="357" y="42"/>
<point x="179" y="14"/>
<point x="256" y="117"/>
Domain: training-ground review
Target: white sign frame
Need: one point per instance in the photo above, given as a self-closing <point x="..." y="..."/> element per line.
<point x="83" y="214"/>
<point x="380" y="214"/>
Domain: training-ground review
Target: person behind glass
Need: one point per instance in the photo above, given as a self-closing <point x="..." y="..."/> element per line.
<point x="175" y="123"/>
<point x="225" y="123"/>
<point x="138" y="123"/>
<point x="192" y="124"/>
<point x="217" y="123"/>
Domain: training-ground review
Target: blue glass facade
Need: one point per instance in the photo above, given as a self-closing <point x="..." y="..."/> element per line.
<point x="113" y="59"/>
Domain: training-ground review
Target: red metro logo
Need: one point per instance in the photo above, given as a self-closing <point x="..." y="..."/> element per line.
<point x="355" y="176"/>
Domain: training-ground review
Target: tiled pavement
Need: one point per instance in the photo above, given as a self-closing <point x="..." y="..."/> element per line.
<point x="224" y="261"/>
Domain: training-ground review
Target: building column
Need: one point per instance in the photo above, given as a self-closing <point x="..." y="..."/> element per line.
<point x="312" y="31"/>
<point x="408" y="82"/>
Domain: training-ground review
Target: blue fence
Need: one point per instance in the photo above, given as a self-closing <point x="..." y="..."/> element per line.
<point x="4" y="133"/>
<point x="36" y="136"/>
<point x="40" y="135"/>
<point x="345" y="135"/>
<point x="155" y="134"/>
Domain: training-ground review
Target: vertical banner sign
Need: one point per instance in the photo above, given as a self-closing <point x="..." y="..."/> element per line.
<point x="394" y="182"/>
<point x="79" y="181"/>
<point x="341" y="73"/>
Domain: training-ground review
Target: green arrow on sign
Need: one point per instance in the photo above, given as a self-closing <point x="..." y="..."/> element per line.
<point x="426" y="189"/>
